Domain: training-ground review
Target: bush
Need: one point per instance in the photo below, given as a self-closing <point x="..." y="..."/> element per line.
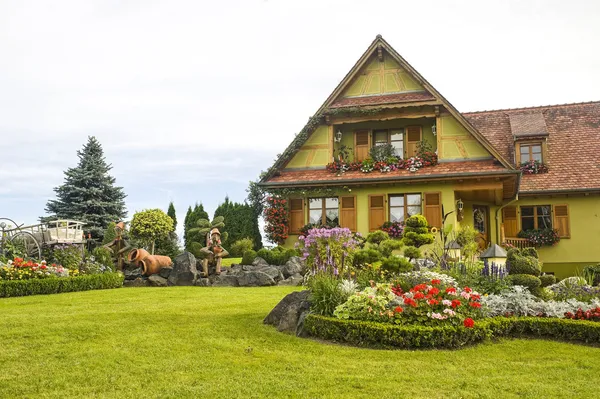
<point x="377" y="237"/>
<point x="239" y="247"/>
<point x="525" y="280"/>
<point x="417" y="240"/>
<point x="547" y="279"/>
<point x="373" y="334"/>
<point x="386" y="247"/>
<point x="57" y="285"/>
<point x="276" y="256"/>
<point x="592" y="274"/>
<point x="530" y="251"/>
<point x="412" y="252"/>
<point x="248" y="257"/>
<point x="524" y="265"/>
<point x="366" y="256"/>
<point x="104" y="257"/>
<point x="325" y="294"/>
<point x="395" y="264"/>
<point x="416" y="221"/>
<point x="68" y="256"/>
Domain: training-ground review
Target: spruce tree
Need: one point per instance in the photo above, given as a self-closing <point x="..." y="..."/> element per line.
<point x="88" y="193"/>
<point x="191" y="218"/>
<point x="171" y="213"/>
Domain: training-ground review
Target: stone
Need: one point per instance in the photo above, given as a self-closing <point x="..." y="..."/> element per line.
<point x="295" y="280"/>
<point x="224" y="280"/>
<point x="203" y="282"/>
<point x="132" y="273"/>
<point x="286" y="315"/>
<point x="156" y="280"/>
<point x="300" y="331"/>
<point x="165" y="272"/>
<point x="255" y="279"/>
<point x="184" y="270"/>
<point x="258" y="261"/>
<point x="272" y="271"/>
<point x="295" y="265"/>
<point x="138" y="282"/>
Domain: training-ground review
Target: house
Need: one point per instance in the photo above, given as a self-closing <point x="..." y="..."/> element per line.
<point x="477" y="180"/>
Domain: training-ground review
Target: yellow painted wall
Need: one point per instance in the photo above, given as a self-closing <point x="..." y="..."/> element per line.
<point x="316" y="151"/>
<point x="381" y="78"/>
<point x="455" y="142"/>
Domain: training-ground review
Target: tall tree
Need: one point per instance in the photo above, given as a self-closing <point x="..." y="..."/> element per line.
<point x="88" y="193"/>
<point x="191" y="218"/>
<point x="240" y="222"/>
<point x="171" y="213"/>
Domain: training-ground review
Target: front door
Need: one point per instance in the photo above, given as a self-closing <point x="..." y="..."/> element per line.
<point x="481" y="218"/>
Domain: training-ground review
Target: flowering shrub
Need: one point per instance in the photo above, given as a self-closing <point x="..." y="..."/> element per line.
<point x="329" y="250"/>
<point x="68" y="255"/>
<point x="574" y="287"/>
<point x="394" y="229"/>
<point x="19" y="269"/>
<point x="540" y="237"/>
<point x="533" y="168"/>
<point x="369" y="304"/>
<point x="276" y="219"/>
<point x="580" y="314"/>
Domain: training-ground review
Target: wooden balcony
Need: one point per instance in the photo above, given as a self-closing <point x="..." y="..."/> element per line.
<point x="514" y="241"/>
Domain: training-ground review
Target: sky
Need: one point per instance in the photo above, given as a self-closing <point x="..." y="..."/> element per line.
<point x="192" y="99"/>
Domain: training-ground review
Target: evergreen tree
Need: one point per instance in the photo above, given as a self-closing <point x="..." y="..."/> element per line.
<point x="88" y="193"/>
<point x="171" y="213"/>
<point x="190" y="222"/>
<point x="240" y="222"/>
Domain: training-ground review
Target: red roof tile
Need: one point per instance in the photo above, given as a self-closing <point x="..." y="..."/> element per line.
<point x="407" y="97"/>
<point x="573" y="137"/>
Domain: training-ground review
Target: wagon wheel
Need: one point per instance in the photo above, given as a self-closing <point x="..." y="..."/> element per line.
<point x="27" y="242"/>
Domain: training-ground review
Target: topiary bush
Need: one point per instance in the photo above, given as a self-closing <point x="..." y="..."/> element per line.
<point x="386" y="247"/>
<point x="396" y="264"/>
<point x="530" y="252"/>
<point x="238" y="248"/>
<point x="547" y="279"/>
<point x="248" y="257"/>
<point x="366" y="256"/>
<point x="412" y="252"/>
<point x="518" y="263"/>
<point x="376" y="237"/>
<point x="533" y="283"/>
<point x="416" y="232"/>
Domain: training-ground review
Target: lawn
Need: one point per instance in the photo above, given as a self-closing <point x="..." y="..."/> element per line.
<point x="210" y="342"/>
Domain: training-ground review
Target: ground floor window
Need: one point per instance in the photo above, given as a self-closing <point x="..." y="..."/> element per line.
<point x="402" y="206"/>
<point x="324" y="211"/>
<point x="536" y="217"/>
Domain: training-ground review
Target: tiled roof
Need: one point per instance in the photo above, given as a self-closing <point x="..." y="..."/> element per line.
<point x="407" y="97"/>
<point x="528" y="124"/>
<point x="573" y="149"/>
<point x="486" y="167"/>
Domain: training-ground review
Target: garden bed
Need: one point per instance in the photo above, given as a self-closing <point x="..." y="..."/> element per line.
<point x="384" y="335"/>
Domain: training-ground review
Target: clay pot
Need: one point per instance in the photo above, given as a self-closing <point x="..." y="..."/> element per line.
<point x="152" y="264"/>
<point x="136" y="255"/>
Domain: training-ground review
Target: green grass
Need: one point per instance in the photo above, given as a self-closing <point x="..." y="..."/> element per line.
<point x="230" y="261"/>
<point x="210" y="342"/>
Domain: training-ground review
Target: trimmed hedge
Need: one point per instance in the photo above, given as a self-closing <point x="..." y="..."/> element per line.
<point x="364" y="333"/>
<point x="55" y="285"/>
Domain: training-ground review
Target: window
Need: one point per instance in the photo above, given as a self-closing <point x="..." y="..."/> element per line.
<point x="324" y="211"/>
<point x="395" y="137"/>
<point x="403" y="206"/>
<point x="380" y="137"/>
<point x="536" y="217"/>
<point x="530" y="152"/>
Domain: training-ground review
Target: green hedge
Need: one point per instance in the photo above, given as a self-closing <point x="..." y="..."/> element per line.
<point x="57" y="285"/>
<point x="364" y="333"/>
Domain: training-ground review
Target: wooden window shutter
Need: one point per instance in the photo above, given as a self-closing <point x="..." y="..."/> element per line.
<point x="296" y="215"/>
<point x="509" y="217"/>
<point x="376" y="212"/>
<point x="348" y="212"/>
<point x="361" y="145"/>
<point x="413" y="137"/>
<point x="561" y="220"/>
<point x="433" y="209"/>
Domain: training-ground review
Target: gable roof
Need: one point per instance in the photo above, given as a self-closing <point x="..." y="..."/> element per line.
<point x="429" y="94"/>
<point x="573" y="134"/>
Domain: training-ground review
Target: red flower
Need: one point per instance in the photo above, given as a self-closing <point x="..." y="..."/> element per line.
<point x="450" y="290"/>
<point x="419" y="295"/>
<point x="411" y="302"/>
<point x="432" y="302"/>
<point x="398" y="309"/>
<point x="474" y="304"/>
<point x="467" y="289"/>
<point x="469" y="323"/>
<point x="435" y="282"/>
<point x="434" y="291"/>
<point x="455" y="303"/>
<point x="420" y="287"/>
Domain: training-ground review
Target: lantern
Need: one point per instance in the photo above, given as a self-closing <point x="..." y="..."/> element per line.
<point x="453" y="249"/>
<point x="494" y="254"/>
<point x="338" y="136"/>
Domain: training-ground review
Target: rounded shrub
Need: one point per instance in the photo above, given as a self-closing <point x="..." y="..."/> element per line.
<point x="547" y="279"/>
<point x="366" y="256"/>
<point x="417" y="240"/>
<point x="377" y="237"/>
<point x="530" y="252"/>
<point x="524" y="265"/>
<point x="416" y="221"/>
<point x="525" y="280"/>
<point x="248" y="257"/>
<point x="395" y="264"/>
<point x="412" y="252"/>
<point x="238" y="248"/>
<point x="386" y="247"/>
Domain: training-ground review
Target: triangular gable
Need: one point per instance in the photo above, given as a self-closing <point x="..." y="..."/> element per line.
<point x="349" y="88"/>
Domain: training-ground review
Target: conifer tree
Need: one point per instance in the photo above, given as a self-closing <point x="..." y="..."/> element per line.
<point x="191" y="218"/>
<point x="172" y="214"/>
<point x="240" y="222"/>
<point x="88" y="193"/>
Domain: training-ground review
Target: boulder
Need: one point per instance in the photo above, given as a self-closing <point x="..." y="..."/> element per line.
<point x="156" y="280"/>
<point x="224" y="280"/>
<point x="295" y="280"/>
<point x="272" y="271"/>
<point x="286" y="315"/>
<point x="165" y="272"/>
<point x="203" y="282"/>
<point x="258" y="261"/>
<point x="255" y="279"/>
<point x="138" y="282"/>
<point x="132" y="273"/>
<point x="184" y="270"/>
<point x="295" y="265"/>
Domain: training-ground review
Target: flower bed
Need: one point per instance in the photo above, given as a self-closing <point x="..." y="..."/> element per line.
<point x="54" y="285"/>
<point x="385" y="335"/>
<point x="20" y="269"/>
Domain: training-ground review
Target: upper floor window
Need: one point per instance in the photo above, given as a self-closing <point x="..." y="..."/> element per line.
<point x="323" y="211"/>
<point x="530" y="152"/>
<point x="536" y="217"/>
<point x="395" y="137"/>
<point x="402" y="206"/>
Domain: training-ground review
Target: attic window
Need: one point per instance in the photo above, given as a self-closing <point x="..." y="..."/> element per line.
<point x="530" y="152"/>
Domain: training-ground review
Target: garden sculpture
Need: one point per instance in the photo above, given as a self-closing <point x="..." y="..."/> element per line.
<point x="213" y="251"/>
<point x="119" y="246"/>
<point x="150" y="264"/>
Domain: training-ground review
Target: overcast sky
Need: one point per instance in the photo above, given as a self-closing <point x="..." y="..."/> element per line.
<point x="192" y="99"/>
